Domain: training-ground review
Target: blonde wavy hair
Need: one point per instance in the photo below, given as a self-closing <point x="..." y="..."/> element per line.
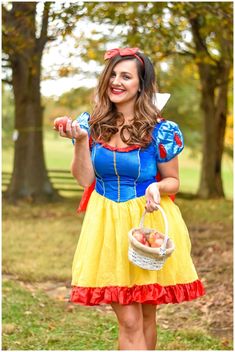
<point x="105" y="118"/>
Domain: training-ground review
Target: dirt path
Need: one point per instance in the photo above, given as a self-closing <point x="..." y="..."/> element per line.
<point x="212" y="313"/>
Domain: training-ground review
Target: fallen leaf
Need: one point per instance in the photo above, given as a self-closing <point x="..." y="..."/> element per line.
<point x="8" y="328"/>
<point x="27" y="312"/>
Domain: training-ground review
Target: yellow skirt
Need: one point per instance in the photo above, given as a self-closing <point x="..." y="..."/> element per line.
<point x="102" y="273"/>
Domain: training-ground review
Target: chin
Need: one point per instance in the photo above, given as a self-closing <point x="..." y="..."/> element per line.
<point x="114" y="99"/>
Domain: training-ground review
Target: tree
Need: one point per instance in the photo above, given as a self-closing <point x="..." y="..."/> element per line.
<point x="24" y="50"/>
<point x="181" y="79"/>
<point x="7" y="116"/>
<point x="213" y="30"/>
<point x="200" y="31"/>
<point x="24" y="40"/>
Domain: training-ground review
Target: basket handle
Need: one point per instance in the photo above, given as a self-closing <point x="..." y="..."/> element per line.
<point x="163" y="246"/>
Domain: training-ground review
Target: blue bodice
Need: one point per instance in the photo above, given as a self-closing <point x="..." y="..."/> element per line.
<point x="125" y="173"/>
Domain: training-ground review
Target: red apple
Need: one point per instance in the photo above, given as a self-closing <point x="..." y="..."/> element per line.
<point x="153" y="237"/>
<point x="140" y="236"/>
<point x="146" y="243"/>
<point x="157" y="243"/>
<point x="61" y="121"/>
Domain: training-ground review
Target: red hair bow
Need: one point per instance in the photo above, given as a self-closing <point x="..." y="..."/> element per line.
<point x="122" y="52"/>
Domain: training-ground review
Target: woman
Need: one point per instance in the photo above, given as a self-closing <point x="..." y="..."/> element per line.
<point x="122" y="146"/>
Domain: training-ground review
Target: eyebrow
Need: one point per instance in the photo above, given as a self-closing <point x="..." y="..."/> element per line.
<point x="123" y="72"/>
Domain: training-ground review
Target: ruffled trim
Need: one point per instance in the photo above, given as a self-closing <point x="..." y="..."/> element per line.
<point x="120" y="149"/>
<point x="151" y="294"/>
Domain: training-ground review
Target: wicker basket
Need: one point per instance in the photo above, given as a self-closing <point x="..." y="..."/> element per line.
<point x="147" y="257"/>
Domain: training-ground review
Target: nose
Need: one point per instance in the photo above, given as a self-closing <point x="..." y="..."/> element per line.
<point x="116" y="80"/>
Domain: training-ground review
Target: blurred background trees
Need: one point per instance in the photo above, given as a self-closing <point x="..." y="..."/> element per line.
<point x="25" y="33"/>
<point x="190" y="45"/>
<point x="202" y="32"/>
<point x="23" y="52"/>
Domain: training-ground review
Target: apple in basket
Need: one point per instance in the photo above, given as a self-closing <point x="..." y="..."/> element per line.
<point x="140" y="237"/>
<point x="155" y="240"/>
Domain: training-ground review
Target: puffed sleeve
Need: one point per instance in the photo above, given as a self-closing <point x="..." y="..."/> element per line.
<point x="168" y="140"/>
<point x="83" y="121"/>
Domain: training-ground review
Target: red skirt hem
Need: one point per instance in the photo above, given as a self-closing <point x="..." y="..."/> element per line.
<point x="148" y="294"/>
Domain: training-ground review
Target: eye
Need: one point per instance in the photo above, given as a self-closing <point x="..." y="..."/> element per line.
<point x="126" y="77"/>
<point x="112" y="75"/>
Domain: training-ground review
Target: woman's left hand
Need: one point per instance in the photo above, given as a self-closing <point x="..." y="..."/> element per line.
<point x="153" y="197"/>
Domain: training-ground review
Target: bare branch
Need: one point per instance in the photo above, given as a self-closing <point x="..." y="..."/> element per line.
<point x="199" y="42"/>
<point x="6" y="16"/>
<point x="181" y="53"/>
<point x="186" y="53"/>
<point x="5" y="59"/>
<point x="7" y="66"/>
<point x="7" y="20"/>
<point x="5" y="80"/>
<point x="43" y="35"/>
<point x="51" y="38"/>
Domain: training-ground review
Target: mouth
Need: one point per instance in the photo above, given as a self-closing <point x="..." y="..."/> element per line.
<point x="117" y="91"/>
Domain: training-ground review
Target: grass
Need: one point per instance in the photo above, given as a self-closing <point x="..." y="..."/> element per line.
<point x="58" y="154"/>
<point x="210" y="211"/>
<point x="58" y="151"/>
<point x="190" y="173"/>
<point x="39" y="242"/>
<point x="32" y="321"/>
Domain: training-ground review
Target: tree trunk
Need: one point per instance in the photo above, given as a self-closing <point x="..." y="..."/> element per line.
<point x="214" y="107"/>
<point x="29" y="179"/>
<point x="221" y="120"/>
<point x="214" y="77"/>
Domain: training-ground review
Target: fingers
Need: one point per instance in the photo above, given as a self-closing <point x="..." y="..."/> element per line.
<point x="153" y="198"/>
<point x="156" y="196"/>
<point x="151" y="206"/>
<point x="69" y="128"/>
<point x="75" y="129"/>
<point x="72" y="129"/>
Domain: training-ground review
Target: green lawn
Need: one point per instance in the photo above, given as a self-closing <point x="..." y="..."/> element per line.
<point x="190" y="167"/>
<point x="32" y="321"/>
<point x="38" y="244"/>
<point x="58" y="154"/>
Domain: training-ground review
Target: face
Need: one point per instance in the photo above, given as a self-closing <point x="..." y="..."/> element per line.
<point x="124" y="83"/>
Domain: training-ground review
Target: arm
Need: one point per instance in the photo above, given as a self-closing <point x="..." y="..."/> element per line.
<point x="81" y="167"/>
<point x="169" y="184"/>
<point x="169" y="172"/>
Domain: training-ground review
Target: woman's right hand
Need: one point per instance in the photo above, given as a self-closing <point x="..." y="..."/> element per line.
<point x="73" y="130"/>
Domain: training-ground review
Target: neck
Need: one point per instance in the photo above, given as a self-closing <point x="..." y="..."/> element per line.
<point x="127" y="110"/>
